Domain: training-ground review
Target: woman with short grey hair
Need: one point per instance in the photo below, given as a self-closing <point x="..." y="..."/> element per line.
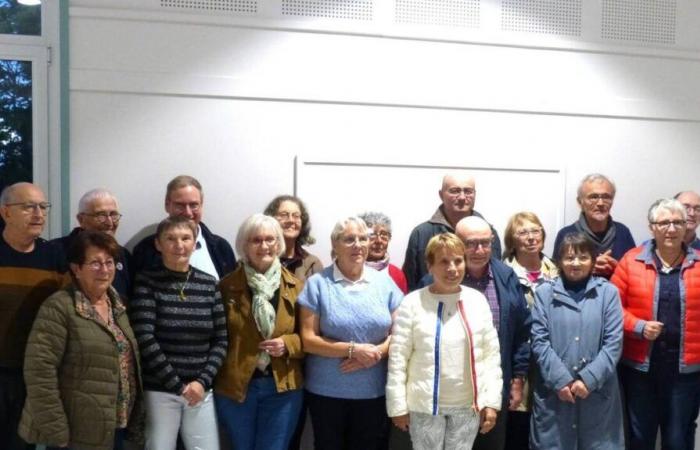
<point x="379" y="238"/>
<point x="659" y="285"/>
<point x="258" y="390"/>
<point x="346" y="313"/>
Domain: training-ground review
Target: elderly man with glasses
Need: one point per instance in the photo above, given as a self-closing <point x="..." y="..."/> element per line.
<point x="458" y="196"/>
<point x="596" y="194"/>
<point x="212" y="254"/>
<point x="98" y="210"/>
<point x="31" y="269"/>
<point x="511" y="317"/>
<point x="691" y="202"/>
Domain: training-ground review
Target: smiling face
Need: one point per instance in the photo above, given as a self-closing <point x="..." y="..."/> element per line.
<point x="23" y="217"/>
<point x="668" y="230"/>
<point x="528" y="238"/>
<point x="289" y="217"/>
<point x="176" y="245"/>
<point x="691" y="202"/>
<point x="351" y="247"/>
<point x="447" y="269"/>
<point x="96" y="275"/>
<point x="185" y="202"/>
<point x="262" y="248"/>
<point x="99" y="216"/>
<point x="596" y="201"/>
<point x="576" y="265"/>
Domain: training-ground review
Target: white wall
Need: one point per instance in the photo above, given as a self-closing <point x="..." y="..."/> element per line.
<point x="235" y="98"/>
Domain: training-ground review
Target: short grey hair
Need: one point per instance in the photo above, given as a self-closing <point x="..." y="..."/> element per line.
<point x="8" y="194"/>
<point x="665" y="204"/>
<point x="593" y="177"/>
<point x="342" y="224"/>
<point x="92" y="195"/>
<point x="251" y="225"/>
<point x="373" y="218"/>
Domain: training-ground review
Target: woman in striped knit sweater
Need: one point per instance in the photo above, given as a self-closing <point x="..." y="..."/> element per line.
<point x="179" y="321"/>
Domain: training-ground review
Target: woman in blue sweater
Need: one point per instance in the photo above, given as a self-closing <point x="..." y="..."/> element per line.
<point x="347" y="312"/>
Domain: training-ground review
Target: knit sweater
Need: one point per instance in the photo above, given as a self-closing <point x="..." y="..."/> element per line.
<point x="180" y="326"/>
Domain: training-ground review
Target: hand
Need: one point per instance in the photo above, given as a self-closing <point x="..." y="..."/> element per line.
<point x="652" y="330"/>
<point x="193" y="393"/>
<point x="487" y="420"/>
<point x="579" y="389"/>
<point x="366" y="354"/>
<point x="401" y="422"/>
<point x="516" y="393"/>
<point x="565" y="394"/>
<point x="273" y="347"/>
<point x="350" y="365"/>
<point x="604" y="264"/>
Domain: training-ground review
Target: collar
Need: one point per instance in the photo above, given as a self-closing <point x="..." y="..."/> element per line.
<point x="558" y="287"/>
<point x="338" y="276"/>
<point x="488" y="276"/>
<point x="201" y="242"/>
<point x="83" y="307"/>
<point x="646" y="254"/>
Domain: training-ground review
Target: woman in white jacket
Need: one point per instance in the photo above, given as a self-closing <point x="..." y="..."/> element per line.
<point x="444" y="382"/>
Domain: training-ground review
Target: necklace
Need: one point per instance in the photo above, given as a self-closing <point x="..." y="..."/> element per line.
<point x="668" y="267"/>
<point x="184" y="285"/>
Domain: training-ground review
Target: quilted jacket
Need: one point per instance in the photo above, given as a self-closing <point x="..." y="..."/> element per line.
<point x="414" y="354"/>
<point x="636" y="279"/>
<point x="71" y="370"/>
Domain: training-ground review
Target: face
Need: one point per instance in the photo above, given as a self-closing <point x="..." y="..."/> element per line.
<point x="101" y="215"/>
<point x="691" y="202"/>
<point x="668" y="229"/>
<point x="447" y="270"/>
<point x="477" y="248"/>
<point x="176" y="246"/>
<point x="289" y="216"/>
<point x="576" y="266"/>
<point x="528" y="238"/>
<point x="596" y="201"/>
<point x="458" y="196"/>
<point x="24" y="214"/>
<point x="378" y="243"/>
<point x="97" y="273"/>
<point x="262" y="248"/>
<point x="352" y="246"/>
<point x="185" y="202"/>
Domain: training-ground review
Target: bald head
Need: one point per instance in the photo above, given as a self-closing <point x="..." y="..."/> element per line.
<point x="691" y="202"/>
<point x="23" y="207"/>
<point x="470" y="225"/>
<point x="458" y="194"/>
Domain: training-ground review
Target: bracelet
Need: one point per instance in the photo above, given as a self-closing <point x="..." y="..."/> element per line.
<point x="351" y="349"/>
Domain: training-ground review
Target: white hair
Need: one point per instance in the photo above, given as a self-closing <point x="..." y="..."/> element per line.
<point x="94" y="194"/>
<point x="665" y="204"/>
<point x="342" y="224"/>
<point x="252" y="225"/>
<point x="591" y="178"/>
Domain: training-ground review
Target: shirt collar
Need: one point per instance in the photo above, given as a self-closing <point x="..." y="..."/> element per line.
<point x="488" y="276"/>
<point x="338" y="276"/>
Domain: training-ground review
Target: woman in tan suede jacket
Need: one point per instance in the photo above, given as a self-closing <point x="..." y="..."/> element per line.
<point x="258" y="388"/>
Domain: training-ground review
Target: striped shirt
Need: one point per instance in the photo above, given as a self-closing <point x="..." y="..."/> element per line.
<point x="180" y="326"/>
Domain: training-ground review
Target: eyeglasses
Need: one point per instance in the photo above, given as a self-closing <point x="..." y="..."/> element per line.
<point x="96" y="265"/>
<point x="181" y="207"/>
<point x="259" y="241"/>
<point x="29" y="207"/>
<point x="666" y="224"/>
<point x="473" y="244"/>
<point x="287" y="215"/>
<point x="102" y="217"/>
<point x="534" y="232"/>
<point x="594" y="198"/>
<point x="456" y="191"/>
<point x="349" y="241"/>
<point x="382" y="235"/>
<point x="692" y="209"/>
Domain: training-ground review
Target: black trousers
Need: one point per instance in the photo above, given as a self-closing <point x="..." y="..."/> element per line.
<point x="345" y="424"/>
<point x="12" y="395"/>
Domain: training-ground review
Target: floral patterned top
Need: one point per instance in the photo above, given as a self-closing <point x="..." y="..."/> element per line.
<point x="128" y="383"/>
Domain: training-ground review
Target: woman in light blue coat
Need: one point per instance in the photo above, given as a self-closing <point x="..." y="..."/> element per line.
<point x="577" y="342"/>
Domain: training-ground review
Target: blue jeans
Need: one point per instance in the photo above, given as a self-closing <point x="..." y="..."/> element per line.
<point x="661" y="398"/>
<point x="265" y="420"/>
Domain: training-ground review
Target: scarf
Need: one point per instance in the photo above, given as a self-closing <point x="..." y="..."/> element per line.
<point x="263" y="286"/>
<point x="379" y="265"/>
<point x="603" y="244"/>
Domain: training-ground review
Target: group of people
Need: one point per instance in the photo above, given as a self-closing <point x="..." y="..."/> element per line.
<point x="466" y="346"/>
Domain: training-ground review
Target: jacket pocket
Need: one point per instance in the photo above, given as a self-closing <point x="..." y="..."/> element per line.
<point x="86" y="420"/>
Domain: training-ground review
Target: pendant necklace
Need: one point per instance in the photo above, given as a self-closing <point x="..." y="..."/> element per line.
<point x="184" y="285"/>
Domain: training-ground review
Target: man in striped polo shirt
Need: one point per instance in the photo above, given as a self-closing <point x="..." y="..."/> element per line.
<point x="31" y="269"/>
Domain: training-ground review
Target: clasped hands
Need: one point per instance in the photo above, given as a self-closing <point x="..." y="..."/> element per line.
<point x="572" y="390"/>
<point x="363" y="357"/>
